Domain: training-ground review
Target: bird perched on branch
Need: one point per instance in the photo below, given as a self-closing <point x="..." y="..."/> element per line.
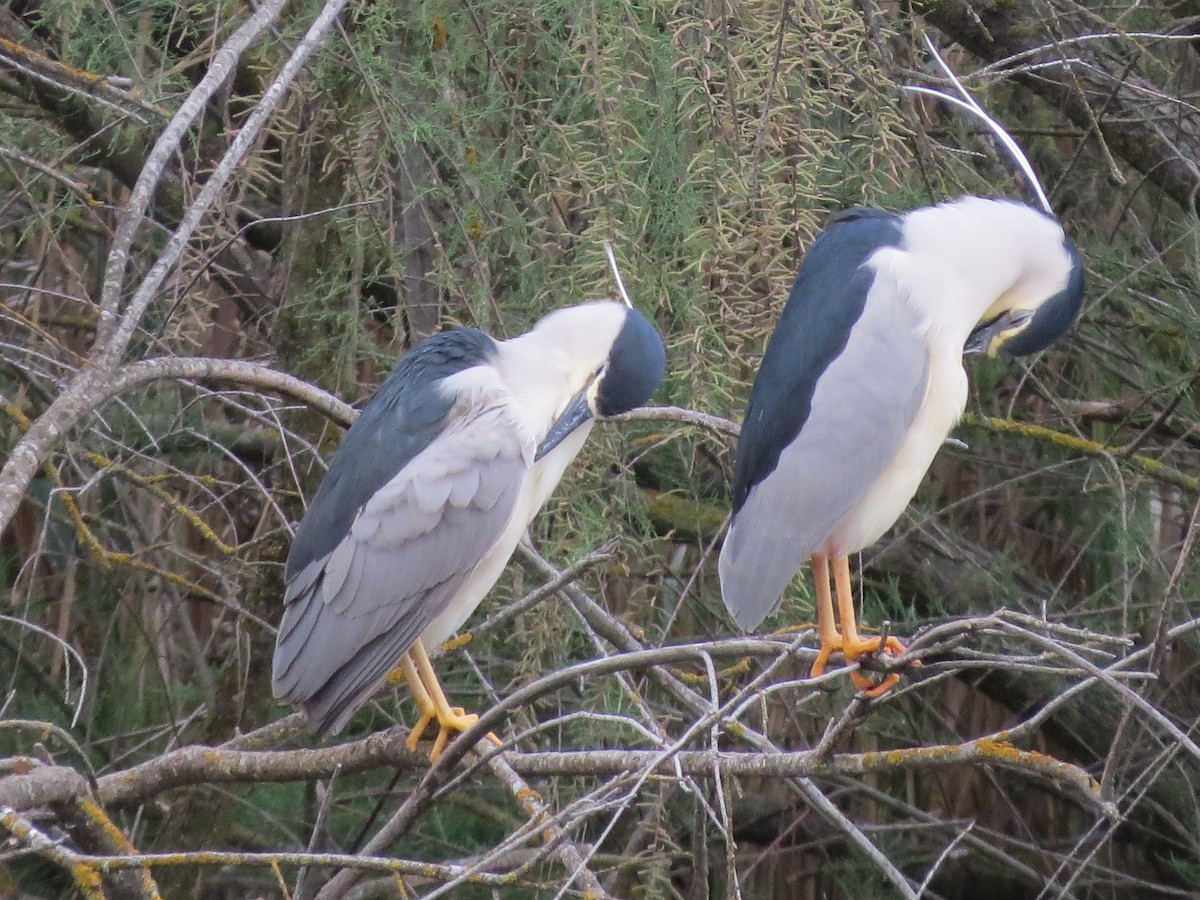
<point x="429" y="493"/>
<point x="862" y="381"/>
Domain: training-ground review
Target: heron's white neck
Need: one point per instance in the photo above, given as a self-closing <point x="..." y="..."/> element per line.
<point x="547" y="366"/>
<point x="968" y="260"/>
<point x="538" y="380"/>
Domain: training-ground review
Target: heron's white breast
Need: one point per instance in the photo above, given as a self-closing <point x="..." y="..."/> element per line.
<point x="879" y="508"/>
<point x="540" y="482"/>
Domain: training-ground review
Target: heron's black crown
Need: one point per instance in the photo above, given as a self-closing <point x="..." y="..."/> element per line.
<point x="636" y="365"/>
<point x="1055" y="316"/>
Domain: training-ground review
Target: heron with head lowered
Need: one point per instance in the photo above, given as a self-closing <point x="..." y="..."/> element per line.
<point x="429" y="493"/>
<point x="862" y="381"/>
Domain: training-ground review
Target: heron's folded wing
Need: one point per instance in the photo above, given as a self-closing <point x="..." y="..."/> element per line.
<point x="862" y="405"/>
<point x="352" y="614"/>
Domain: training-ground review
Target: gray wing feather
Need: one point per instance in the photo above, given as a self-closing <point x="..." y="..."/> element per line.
<point x="303" y="581"/>
<point x="488" y="493"/>
<point x="432" y="494"/>
<point x="464" y="488"/>
<point x="862" y="407"/>
<point x="337" y="569"/>
<point x="350" y="615"/>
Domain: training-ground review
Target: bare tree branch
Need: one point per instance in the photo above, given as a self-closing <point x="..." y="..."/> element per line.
<point x="142" y="195"/>
<point x="86" y="867"/>
<point x="87" y="388"/>
<point x="1141" y="124"/>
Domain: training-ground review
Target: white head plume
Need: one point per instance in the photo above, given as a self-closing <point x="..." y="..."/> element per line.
<point x="612" y="262"/>
<point x="971" y="105"/>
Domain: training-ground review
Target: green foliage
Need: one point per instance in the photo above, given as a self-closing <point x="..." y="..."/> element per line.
<point x="444" y="162"/>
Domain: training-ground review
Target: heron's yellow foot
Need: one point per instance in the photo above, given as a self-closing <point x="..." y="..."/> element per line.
<point x="425" y="704"/>
<point x="858" y="648"/>
<point x="433" y="705"/>
<point x="865" y="646"/>
<point x="872" y="688"/>
<point x="418" y="730"/>
<point x="818" y="666"/>
<point x="454" y="722"/>
<point x="457" y="722"/>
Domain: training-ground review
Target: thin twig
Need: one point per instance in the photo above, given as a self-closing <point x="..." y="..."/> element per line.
<point x="715" y="424"/>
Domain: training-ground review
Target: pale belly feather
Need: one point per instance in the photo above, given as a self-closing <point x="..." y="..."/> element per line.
<point x="878" y="509"/>
<point x="540" y="483"/>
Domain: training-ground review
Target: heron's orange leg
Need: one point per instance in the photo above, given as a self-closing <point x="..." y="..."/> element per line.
<point x="831" y="639"/>
<point x="854" y="646"/>
<point x="450" y="719"/>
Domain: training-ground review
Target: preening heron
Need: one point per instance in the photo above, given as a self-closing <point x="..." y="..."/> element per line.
<point x="862" y="381"/>
<point x="429" y="492"/>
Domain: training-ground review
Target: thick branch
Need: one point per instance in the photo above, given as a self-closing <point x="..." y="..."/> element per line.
<point x="989" y="751"/>
<point x="55" y="786"/>
<point x="231" y="371"/>
<point x="37" y="786"/>
<point x="208" y="765"/>
<point x="1140" y="461"/>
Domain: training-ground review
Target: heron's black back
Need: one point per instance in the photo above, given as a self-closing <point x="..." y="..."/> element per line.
<point x="398" y="422"/>
<point x="826" y="300"/>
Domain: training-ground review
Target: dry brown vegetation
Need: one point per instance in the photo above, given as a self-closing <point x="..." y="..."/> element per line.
<point x="220" y="223"/>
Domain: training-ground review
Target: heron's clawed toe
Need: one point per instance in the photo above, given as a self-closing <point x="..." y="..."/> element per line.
<point x="456" y="723"/>
<point x="869" y="647"/>
<point x="418" y="730"/>
<point x="450" y="727"/>
<point x="822" y="660"/>
<point x="872" y="688"/>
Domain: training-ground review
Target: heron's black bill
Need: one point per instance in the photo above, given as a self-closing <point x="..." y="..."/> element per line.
<point x="576" y="413"/>
<point x="980" y="337"/>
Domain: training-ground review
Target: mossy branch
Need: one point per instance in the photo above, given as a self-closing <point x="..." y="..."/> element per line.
<point x="86" y="868"/>
<point x="1139" y="461"/>
<point x="993" y="750"/>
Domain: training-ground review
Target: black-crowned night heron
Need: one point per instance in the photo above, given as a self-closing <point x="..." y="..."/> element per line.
<point x="863" y="380"/>
<point x="429" y="493"/>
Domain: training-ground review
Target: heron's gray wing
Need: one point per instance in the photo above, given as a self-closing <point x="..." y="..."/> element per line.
<point x="352" y="613"/>
<point x="861" y="405"/>
<point x="408" y="412"/>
